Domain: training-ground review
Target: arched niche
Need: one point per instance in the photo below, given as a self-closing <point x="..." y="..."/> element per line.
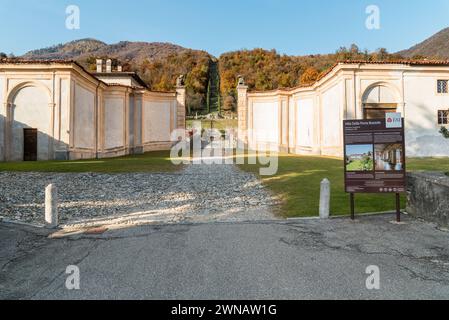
<point x="379" y="99"/>
<point x="29" y="118"/>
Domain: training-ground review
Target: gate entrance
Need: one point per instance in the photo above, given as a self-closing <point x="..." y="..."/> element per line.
<point x="378" y="111"/>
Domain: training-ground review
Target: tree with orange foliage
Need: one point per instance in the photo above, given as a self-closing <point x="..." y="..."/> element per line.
<point x="309" y="76"/>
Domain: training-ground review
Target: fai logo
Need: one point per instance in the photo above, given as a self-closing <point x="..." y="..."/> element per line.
<point x="393" y="120"/>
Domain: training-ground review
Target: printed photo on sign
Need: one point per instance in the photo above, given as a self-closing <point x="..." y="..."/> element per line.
<point x="359" y="157"/>
<point x="388" y="157"/>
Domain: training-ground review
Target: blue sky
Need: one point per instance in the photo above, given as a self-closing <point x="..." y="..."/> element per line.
<point x="290" y="26"/>
<point x="358" y="149"/>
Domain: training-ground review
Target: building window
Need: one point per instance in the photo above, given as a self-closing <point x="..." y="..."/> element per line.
<point x="442" y="86"/>
<point x="443" y="116"/>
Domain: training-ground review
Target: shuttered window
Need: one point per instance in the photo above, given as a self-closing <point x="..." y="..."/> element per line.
<point x="443" y="116"/>
<point x="442" y="86"/>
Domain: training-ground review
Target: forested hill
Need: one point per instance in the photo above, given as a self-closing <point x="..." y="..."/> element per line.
<point x="159" y="64"/>
<point x="267" y="70"/>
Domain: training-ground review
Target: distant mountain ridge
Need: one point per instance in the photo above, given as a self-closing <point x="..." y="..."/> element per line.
<point x="70" y="50"/>
<point x="125" y="51"/>
<point x="437" y="46"/>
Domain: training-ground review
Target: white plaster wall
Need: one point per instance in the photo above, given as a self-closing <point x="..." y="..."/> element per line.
<point x="332" y="104"/>
<point x="284" y="108"/>
<point x="379" y="94"/>
<point x="65" y="112"/>
<point x="351" y="105"/>
<point x="2" y="119"/>
<point x="157" y="121"/>
<point x="31" y="110"/>
<point x="84" y="118"/>
<point x="266" y="122"/>
<point x="390" y="84"/>
<point x="2" y="88"/>
<point x="119" y="80"/>
<point x="421" y="106"/>
<point x="305" y="122"/>
<point x="114" y="127"/>
<point x="291" y="122"/>
<point x="138" y="117"/>
<point x="43" y="79"/>
<point x="131" y="112"/>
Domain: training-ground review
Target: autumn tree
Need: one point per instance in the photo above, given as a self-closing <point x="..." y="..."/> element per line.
<point x="309" y="76"/>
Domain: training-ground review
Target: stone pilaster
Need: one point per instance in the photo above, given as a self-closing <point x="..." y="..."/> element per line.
<point x="181" y="107"/>
<point x="242" y="111"/>
<point x="7" y="127"/>
<point x="401" y="109"/>
<point x="3" y="131"/>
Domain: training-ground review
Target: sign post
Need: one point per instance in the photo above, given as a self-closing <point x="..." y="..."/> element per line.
<point x="374" y="152"/>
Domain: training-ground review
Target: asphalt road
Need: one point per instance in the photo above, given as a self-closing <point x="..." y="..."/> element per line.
<point x="307" y="259"/>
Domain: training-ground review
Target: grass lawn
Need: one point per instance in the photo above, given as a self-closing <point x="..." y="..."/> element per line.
<point x="158" y="161"/>
<point x="298" y="184"/>
<point x="358" y="165"/>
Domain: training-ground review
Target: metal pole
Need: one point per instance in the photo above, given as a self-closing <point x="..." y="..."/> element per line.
<point x="352" y="207"/>
<point x="398" y="207"/>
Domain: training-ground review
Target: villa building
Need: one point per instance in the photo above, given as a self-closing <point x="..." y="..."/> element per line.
<point x="308" y="119"/>
<point x="59" y="110"/>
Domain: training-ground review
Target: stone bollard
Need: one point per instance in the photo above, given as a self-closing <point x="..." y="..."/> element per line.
<point x="325" y="197"/>
<point x="51" y="206"/>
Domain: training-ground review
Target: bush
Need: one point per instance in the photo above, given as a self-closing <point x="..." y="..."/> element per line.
<point x="229" y="103"/>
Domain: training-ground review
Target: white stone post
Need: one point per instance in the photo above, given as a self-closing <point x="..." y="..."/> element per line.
<point x="51" y="206"/>
<point x="325" y="197"/>
<point x="99" y="65"/>
<point x="109" y="66"/>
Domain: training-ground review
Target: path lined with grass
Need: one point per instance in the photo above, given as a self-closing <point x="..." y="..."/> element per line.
<point x="158" y="161"/>
<point x="298" y="184"/>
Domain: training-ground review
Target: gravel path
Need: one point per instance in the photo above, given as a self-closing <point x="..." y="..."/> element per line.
<point x="199" y="193"/>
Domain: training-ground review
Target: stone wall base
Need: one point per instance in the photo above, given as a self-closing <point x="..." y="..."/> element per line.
<point x="428" y="197"/>
<point x="157" y="146"/>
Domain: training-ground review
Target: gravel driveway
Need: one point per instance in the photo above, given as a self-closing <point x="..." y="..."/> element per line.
<point x="198" y="193"/>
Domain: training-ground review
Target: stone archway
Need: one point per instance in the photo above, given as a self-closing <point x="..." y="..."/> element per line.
<point x="28" y="108"/>
<point x="379" y="99"/>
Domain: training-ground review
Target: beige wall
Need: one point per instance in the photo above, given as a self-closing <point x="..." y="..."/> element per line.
<point x="63" y="134"/>
<point x="78" y="116"/>
<point x="84" y="118"/>
<point x="421" y="116"/>
<point x="3" y="107"/>
<point x="128" y="81"/>
<point x="304" y="123"/>
<point x="316" y="113"/>
<point x="264" y="120"/>
<point x="157" y="121"/>
<point x="22" y="96"/>
<point x="114" y="122"/>
<point x="331" y="120"/>
<point x="31" y="109"/>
